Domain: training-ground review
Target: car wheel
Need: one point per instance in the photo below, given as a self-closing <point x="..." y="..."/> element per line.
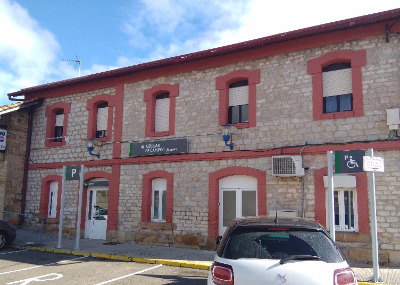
<point x="3" y="239"/>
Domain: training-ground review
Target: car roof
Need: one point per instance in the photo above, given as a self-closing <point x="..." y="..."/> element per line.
<point x="276" y="222"/>
<point x="263" y="222"/>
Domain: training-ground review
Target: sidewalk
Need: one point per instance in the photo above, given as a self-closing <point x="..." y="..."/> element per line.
<point x="174" y="256"/>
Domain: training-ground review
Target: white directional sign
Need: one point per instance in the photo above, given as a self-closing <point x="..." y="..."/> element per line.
<point x="373" y="163"/>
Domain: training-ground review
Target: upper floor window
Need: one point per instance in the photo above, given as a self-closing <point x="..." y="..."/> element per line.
<point x="237" y="98"/>
<point x="160" y="110"/>
<point x="102" y="120"/>
<point x="337" y="88"/>
<point x="161" y="120"/>
<point x="337" y="84"/>
<point x="58" y="128"/>
<point x="238" y="111"/>
<point x="57" y="122"/>
<point x="100" y="117"/>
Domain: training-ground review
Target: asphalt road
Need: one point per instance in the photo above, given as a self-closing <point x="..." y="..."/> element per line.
<point x="32" y="267"/>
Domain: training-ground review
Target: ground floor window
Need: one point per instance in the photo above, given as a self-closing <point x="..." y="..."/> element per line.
<point x="52" y="206"/>
<point x="346" y="218"/>
<point x="159" y="197"/>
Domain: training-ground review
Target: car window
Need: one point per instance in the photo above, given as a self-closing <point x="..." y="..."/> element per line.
<point x="280" y="244"/>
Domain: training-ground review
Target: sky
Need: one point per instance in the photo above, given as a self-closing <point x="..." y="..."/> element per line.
<point x="41" y="41"/>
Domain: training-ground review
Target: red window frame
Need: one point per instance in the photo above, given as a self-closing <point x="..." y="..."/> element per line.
<point x="150" y="96"/>
<point x="147" y="190"/>
<point x="222" y="84"/>
<point x="44" y="196"/>
<point x="92" y="106"/>
<point x="51" y="112"/>
<point x="315" y="66"/>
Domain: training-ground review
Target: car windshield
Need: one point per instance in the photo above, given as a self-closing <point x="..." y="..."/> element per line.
<point x="245" y="243"/>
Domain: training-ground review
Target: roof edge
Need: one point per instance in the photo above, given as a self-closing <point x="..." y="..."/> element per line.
<point x="218" y="51"/>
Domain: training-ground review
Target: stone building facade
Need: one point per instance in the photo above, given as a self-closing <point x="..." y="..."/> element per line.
<point x="14" y="128"/>
<point x="279" y="94"/>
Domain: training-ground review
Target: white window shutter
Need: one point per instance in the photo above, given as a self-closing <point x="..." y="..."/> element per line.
<point x="102" y="118"/>
<point x="337" y="82"/>
<point x="239" y="96"/>
<point x="162" y="115"/>
<point x="159" y="184"/>
<point x="59" y="120"/>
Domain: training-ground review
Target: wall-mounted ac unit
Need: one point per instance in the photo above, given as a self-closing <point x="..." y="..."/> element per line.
<point x="287" y="165"/>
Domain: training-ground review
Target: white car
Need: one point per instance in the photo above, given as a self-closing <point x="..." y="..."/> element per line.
<point x="264" y="251"/>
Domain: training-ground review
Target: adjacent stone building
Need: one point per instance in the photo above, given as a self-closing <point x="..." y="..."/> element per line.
<point x="14" y="153"/>
<point x="159" y="169"/>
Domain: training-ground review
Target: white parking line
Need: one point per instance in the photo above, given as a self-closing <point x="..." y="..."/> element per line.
<point x="126" y="276"/>
<point x="33" y="267"/>
<point x="7" y="252"/>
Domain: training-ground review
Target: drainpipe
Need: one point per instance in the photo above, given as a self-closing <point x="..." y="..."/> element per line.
<point x="26" y="164"/>
<point x="303" y="198"/>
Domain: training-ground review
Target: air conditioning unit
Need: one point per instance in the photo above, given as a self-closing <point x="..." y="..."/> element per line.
<point x="285" y="165"/>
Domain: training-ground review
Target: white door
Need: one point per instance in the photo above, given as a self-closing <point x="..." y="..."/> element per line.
<point x="238" y="198"/>
<point x="96" y="213"/>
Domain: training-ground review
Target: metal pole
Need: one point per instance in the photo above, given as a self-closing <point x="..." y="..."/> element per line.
<point x="374" y="231"/>
<point x="61" y="218"/>
<point x="41" y="231"/>
<point x="78" y="222"/>
<point x="331" y="208"/>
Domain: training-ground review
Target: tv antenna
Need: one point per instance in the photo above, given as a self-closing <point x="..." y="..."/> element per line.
<point x="77" y="61"/>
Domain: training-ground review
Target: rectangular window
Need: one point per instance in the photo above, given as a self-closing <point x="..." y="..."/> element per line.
<point x="102" y="120"/>
<point x="162" y="113"/>
<point x="52" y="206"/>
<point x="58" y="128"/>
<point x="337" y="88"/>
<point x="338" y="103"/>
<point x="159" y="199"/>
<point x="238" y="111"/>
<point x="345" y="210"/>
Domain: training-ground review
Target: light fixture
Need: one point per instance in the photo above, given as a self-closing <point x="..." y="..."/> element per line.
<point x="91" y="143"/>
<point x="227" y="135"/>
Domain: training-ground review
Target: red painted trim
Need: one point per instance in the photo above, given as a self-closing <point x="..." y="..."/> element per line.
<point x="92" y="106"/>
<point x="150" y="99"/>
<point x="119" y="111"/>
<point x="362" y="199"/>
<point x="51" y="121"/>
<point x="222" y="84"/>
<point x="44" y="195"/>
<point x="147" y="192"/>
<point x="213" y="198"/>
<point x="357" y="60"/>
<point x="227" y="155"/>
<point x="113" y="180"/>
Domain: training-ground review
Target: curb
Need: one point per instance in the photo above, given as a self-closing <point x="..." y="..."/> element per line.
<point x="176" y="263"/>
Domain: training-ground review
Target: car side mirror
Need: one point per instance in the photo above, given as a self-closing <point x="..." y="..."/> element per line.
<point x="218" y="240"/>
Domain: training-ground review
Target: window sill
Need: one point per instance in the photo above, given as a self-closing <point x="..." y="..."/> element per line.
<point x="163" y="226"/>
<point x="159" y="134"/>
<point x="241" y="125"/>
<point x="53" y="144"/>
<point x="338" y="115"/>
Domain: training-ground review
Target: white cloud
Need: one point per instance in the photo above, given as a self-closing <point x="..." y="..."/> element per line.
<point x="230" y="21"/>
<point x="26" y="50"/>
